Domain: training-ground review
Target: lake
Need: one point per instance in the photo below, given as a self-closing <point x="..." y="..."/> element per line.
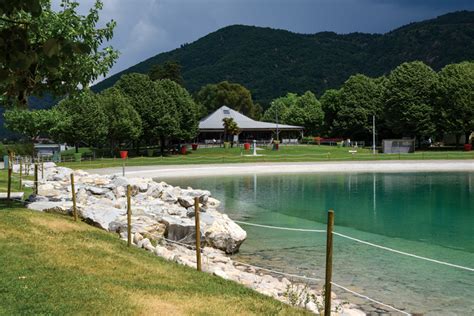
<point x="427" y="214"/>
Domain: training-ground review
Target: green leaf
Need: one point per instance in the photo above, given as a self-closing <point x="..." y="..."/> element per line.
<point x="3" y="74"/>
<point x="51" y="47"/>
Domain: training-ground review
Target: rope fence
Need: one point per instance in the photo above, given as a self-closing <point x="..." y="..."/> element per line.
<point x="282" y="228"/>
<point x="362" y="242"/>
<point x="355" y="240"/>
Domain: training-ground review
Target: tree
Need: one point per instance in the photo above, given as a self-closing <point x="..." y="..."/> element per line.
<point x="169" y="70"/>
<point x="124" y="122"/>
<point x="279" y="108"/>
<point x="42" y="50"/>
<point x="408" y="99"/>
<point x="167" y="110"/>
<point x="85" y="120"/>
<point x="357" y="101"/>
<point x="330" y="104"/>
<point x="304" y="110"/>
<point x="233" y="95"/>
<point x="32" y="123"/>
<point x="148" y="101"/>
<point x="186" y="109"/>
<point x="456" y="99"/>
<point x="230" y="128"/>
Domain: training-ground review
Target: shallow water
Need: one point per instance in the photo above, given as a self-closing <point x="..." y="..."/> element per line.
<point x="427" y="214"/>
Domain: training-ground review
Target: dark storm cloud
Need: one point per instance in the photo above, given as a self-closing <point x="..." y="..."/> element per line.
<point x="148" y="27"/>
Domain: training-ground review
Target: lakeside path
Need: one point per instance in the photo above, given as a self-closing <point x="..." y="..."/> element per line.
<point x="174" y="171"/>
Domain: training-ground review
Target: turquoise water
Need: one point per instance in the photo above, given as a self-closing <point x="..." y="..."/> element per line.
<point x="428" y="214"/>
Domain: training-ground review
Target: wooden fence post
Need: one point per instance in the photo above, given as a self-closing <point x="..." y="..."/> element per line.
<point x="129" y="215"/>
<point x="198" y="233"/>
<point x="21" y="174"/>
<point x="36" y="178"/>
<point x="9" y="182"/>
<point x="327" y="288"/>
<point x="74" y="208"/>
<point x="42" y="170"/>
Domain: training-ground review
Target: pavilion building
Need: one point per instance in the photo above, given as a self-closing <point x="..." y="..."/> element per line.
<point x="211" y="129"/>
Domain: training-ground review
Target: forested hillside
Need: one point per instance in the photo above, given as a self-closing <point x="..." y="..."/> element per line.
<point x="272" y="62"/>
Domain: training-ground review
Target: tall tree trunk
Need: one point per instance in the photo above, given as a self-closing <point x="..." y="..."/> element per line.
<point x="137" y="147"/>
<point x="162" y="145"/>
<point x="458" y="138"/>
<point x="76" y="145"/>
<point x="466" y="140"/>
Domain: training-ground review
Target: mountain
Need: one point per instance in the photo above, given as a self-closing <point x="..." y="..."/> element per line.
<point x="273" y="62"/>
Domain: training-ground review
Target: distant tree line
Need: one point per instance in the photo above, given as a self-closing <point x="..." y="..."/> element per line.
<point x="412" y="101"/>
<point x="135" y="111"/>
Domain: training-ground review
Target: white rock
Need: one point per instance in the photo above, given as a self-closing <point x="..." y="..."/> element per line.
<point x="97" y="190"/>
<point x="100" y="216"/>
<point x="213" y="202"/>
<point x="137" y="237"/>
<point x="120" y="181"/>
<point x="221" y="274"/>
<point x="51" y="207"/>
<point x="352" y="312"/>
<point x="186" y="201"/>
<point x="224" y="234"/>
<point x="142" y="243"/>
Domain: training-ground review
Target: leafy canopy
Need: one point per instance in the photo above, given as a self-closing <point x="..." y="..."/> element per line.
<point x="32" y="123"/>
<point x="456" y="98"/>
<point x="409" y="97"/>
<point x="42" y="50"/>
<point x="233" y="95"/>
<point x="84" y="120"/>
<point x="357" y="101"/>
<point x="304" y="110"/>
<point x="124" y="122"/>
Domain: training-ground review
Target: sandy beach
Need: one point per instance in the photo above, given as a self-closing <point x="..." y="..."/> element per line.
<point x="172" y="171"/>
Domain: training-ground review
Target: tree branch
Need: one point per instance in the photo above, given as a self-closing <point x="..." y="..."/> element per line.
<point x="13" y="21"/>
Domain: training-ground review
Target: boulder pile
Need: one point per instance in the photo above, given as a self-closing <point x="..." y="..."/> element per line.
<point x="158" y="209"/>
<point x="163" y="223"/>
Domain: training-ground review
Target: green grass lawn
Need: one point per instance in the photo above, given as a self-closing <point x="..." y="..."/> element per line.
<point x="53" y="265"/>
<point x="15" y="185"/>
<point x="298" y="153"/>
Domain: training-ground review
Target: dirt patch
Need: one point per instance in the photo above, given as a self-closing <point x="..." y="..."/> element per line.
<point x="58" y="225"/>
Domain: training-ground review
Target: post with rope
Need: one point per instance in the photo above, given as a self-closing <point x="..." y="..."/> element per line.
<point x="74" y="208"/>
<point x="129" y="215"/>
<point x="21" y="174"/>
<point x="10" y="168"/>
<point x="36" y="178"/>
<point x="327" y="286"/>
<point x="198" y="233"/>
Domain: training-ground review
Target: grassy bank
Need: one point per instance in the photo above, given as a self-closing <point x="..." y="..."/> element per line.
<point x="298" y="153"/>
<point x="53" y="265"/>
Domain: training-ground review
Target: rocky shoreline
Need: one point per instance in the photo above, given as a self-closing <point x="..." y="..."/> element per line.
<point x="163" y="223"/>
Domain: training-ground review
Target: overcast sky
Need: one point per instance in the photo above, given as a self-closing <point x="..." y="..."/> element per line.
<point x="148" y="27"/>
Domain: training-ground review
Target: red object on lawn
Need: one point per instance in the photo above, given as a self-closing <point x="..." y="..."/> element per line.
<point x="183" y="150"/>
<point x="247" y="146"/>
<point x="467" y="147"/>
<point x="195" y="146"/>
<point x="123" y="154"/>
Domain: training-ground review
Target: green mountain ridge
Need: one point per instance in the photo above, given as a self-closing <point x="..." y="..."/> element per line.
<point x="271" y="62"/>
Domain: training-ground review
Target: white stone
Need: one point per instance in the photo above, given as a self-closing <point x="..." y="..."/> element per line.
<point x="224" y="234"/>
<point x="51" y="207"/>
<point x="352" y="312"/>
<point x="213" y="202"/>
<point x="100" y="216"/>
